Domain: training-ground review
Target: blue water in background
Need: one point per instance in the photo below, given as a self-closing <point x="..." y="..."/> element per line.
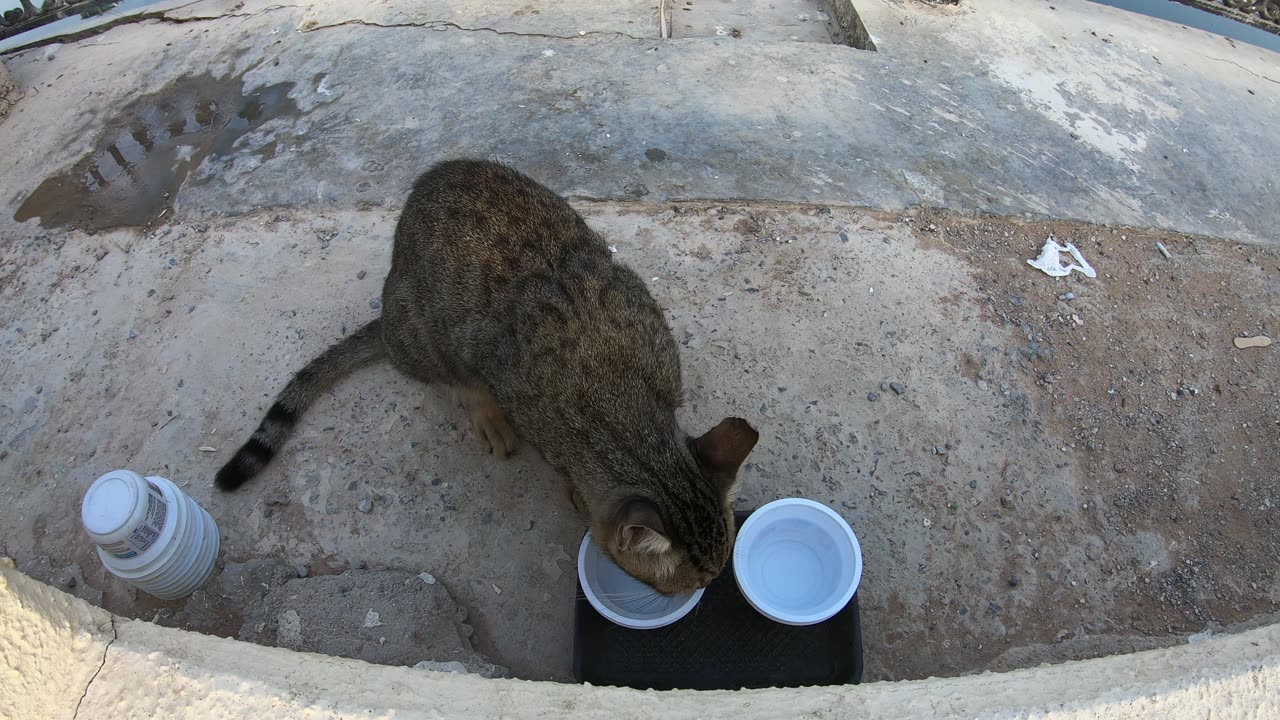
<point x="75" y="23"/>
<point x="1199" y="19"/>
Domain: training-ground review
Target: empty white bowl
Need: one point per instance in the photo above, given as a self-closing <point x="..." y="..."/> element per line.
<point x="797" y="562"/>
<point x="623" y="599"/>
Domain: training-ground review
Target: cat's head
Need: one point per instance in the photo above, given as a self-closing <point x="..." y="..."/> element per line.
<point x="677" y="536"/>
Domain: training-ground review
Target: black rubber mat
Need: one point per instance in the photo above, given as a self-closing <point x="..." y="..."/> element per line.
<point x="724" y="644"/>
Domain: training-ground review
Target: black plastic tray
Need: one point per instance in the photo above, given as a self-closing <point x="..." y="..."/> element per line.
<point x="724" y="644"/>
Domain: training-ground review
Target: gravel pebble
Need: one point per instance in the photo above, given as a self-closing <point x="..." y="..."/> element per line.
<point x="365" y="506"/>
<point x="873" y="396"/>
<point x="897" y="388"/>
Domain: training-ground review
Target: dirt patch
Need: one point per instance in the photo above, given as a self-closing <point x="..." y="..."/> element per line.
<point x="1026" y="488"/>
<point x="1180" y="429"/>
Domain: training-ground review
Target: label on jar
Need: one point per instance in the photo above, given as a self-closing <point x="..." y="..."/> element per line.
<point x="147" y="531"/>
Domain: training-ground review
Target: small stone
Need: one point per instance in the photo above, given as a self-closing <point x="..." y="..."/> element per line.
<point x="365" y="506"/>
<point x="983" y="385"/>
<point x="496" y="589"/>
<point x="1119" y="468"/>
<point x="1067" y="296"/>
<point x="151" y="292"/>
<point x="95" y="312"/>
<point x="1013" y="582"/>
<point x="873" y="396"/>
<point x="884" y="387"/>
<point x="636" y="189"/>
<point x="655" y="154"/>
<point x="268" y="511"/>
<point x="897" y="388"/>
<point x="39" y="389"/>
<point x="427" y="578"/>
<point x="201" y="227"/>
<point x="973" y="484"/>
<point x="450" y="666"/>
<point x="301" y="570"/>
<point x="939" y="450"/>
<point x="132" y="334"/>
<point x="191" y="309"/>
<point x="360" y="275"/>
<point x="844" y="237"/>
<point x="371" y="166"/>
<point x="364" y="186"/>
<point x="375" y="303"/>
<point x="173" y="262"/>
<point x="352" y="485"/>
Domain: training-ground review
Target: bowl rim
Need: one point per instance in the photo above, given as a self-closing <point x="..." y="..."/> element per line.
<point x="757" y="520"/>
<point x="623" y="620"/>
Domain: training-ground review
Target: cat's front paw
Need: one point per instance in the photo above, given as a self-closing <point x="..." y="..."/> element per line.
<point x="493" y="430"/>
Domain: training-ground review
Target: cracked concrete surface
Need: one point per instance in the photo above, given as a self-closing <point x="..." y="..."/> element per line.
<point x="1078" y="112"/>
<point x="137" y="347"/>
<point x="45" y="640"/>
<point x="159" y="672"/>
<point x="102" y="664"/>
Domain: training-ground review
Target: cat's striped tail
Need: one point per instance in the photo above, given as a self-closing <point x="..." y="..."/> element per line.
<point x="360" y="348"/>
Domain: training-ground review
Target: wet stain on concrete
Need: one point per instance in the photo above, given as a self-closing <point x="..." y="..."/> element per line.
<point x="146" y="153"/>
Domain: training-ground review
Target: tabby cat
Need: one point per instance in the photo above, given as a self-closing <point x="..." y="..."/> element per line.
<point x="500" y="290"/>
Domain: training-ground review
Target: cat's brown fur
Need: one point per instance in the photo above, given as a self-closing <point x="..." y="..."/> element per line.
<point x="498" y="288"/>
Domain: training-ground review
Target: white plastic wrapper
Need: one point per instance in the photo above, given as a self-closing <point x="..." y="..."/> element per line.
<point x="1050" y="260"/>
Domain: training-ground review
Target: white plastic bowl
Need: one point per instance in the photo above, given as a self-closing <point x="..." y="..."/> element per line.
<point x="797" y="562"/>
<point x="623" y="599"/>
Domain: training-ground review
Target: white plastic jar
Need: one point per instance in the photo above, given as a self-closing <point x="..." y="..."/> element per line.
<point x="150" y="533"/>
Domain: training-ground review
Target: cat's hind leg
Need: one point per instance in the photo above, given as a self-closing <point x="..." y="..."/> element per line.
<point x="491" y="425"/>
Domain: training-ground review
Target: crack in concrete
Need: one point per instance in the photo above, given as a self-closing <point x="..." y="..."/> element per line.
<point x="1233" y="62"/>
<point x="430" y="24"/>
<point x="101" y="665"/>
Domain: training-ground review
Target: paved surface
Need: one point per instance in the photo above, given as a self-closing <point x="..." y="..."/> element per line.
<point x="1079" y="111"/>
<point x="65" y="660"/>
<point x="1008" y="515"/>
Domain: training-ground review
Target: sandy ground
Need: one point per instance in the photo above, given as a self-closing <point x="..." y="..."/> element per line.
<point x="1051" y="478"/>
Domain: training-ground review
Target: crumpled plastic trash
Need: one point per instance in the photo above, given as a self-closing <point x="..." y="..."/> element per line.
<point x="1050" y="260"/>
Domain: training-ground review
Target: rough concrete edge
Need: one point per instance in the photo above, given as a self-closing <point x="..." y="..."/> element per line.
<point x="10" y="94"/>
<point x="846" y="27"/>
<point x="191" y="675"/>
<point x="35" y="615"/>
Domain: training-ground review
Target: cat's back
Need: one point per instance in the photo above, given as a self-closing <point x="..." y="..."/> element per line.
<point x="505" y="277"/>
<point x="485" y="213"/>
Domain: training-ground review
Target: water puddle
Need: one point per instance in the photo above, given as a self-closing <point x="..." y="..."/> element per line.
<point x="1199" y="19"/>
<point x="145" y="154"/>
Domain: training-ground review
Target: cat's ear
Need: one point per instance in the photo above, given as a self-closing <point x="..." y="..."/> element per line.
<point x="640" y="529"/>
<point x="722" y="450"/>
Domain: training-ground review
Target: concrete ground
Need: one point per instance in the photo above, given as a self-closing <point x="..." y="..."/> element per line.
<point x="204" y="202"/>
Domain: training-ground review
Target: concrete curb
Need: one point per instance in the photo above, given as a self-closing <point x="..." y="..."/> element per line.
<point x="63" y="658"/>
